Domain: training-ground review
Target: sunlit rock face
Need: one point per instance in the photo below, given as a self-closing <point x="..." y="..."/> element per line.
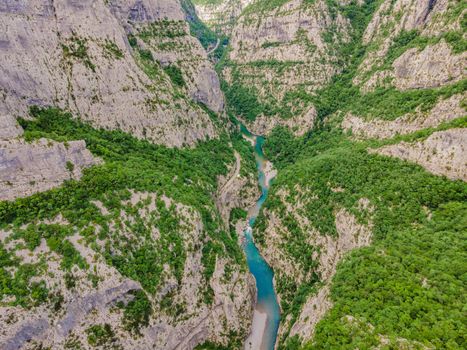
<point x="76" y="55"/>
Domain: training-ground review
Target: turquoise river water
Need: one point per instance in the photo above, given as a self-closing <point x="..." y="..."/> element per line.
<point x="266" y="295"/>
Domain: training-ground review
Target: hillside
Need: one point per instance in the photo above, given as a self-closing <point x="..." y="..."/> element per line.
<point x="114" y="152"/>
<point x="138" y="139"/>
<point x="384" y="168"/>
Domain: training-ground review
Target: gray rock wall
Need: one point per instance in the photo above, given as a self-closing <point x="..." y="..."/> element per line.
<point x="27" y="168"/>
<point x="111" y="92"/>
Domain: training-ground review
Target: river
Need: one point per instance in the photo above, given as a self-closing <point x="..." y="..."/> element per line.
<point x="267" y="312"/>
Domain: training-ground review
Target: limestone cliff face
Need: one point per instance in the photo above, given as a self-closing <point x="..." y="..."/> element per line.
<point x="167" y="35"/>
<point x="220" y="15"/>
<point x="443" y="112"/>
<point x="288" y="225"/>
<point x="76" y="55"/>
<point x="181" y="318"/>
<point x="279" y="53"/>
<point x="428" y="62"/>
<point x="133" y="65"/>
<point x="442" y="153"/>
<point x="27" y="168"/>
<point x="410" y="46"/>
<point x="236" y="191"/>
<point x="351" y="235"/>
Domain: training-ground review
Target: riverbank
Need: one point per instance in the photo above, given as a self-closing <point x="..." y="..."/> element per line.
<point x="258" y="329"/>
<point x="266" y="315"/>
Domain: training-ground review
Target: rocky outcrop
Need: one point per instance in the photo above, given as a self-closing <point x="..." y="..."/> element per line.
<point x="298" y="124"/>
<point x="443" y="153"/>
<point x="172" y="46"/>
<point x="87" y="303"/>
<point x="76" y="56"/>
<point x="312" y="312"/>
<point x="414" y="14"/>
<point x="202" y="82"/>
<point x="279" y="54"/>
<point x="9" y="128"/>
<point x="76" y="312"/>
<point x="430" y="66"/>
<point x="27" y="168"/>
<point x="433" y="67"/>
<point x="444" y="111"/>
<point x="235" y="191"/>
<point x="328" y="251"/>
<point x="351" y="235"/>
<point x="220" y="15"/>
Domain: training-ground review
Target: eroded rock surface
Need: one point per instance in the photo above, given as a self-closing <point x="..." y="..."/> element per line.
<point x="222" y="15"/>
<point x="87" y="304"/>
<point x="427" y="66"/>
<point x="298" y="124"/>
<point x="235" y="191"/>
<point x="9" y="128"/>
<point x="351" y="235"/>
<point x="433" y="67"/>
<point x="328" y="251"/>
<point x="75" y="55"/>
<point x="279" y="49"/>
<point x="444" y="111"/>
<point x="443" y="153"/>
<point x="27" y="168"/>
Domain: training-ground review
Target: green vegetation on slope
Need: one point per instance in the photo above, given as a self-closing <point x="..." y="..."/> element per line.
<point x="411" y="285"/>
<point x="198" y="29"/>
<point x="401" y="287"/>
<point x="245" y="100"/>
<point x="341" y="94"/>
<point x="374" y="296"/>
<point x="387" y="103"/>
<point x="403" y="195"/>
<point x="188" y="176"/>
<point x="18" y="283"/>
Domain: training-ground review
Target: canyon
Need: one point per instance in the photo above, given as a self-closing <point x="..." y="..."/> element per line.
<point x="232" y="174"/>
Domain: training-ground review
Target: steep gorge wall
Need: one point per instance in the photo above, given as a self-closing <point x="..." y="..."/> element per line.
<point x="413" y="47"/>
<point x="425" y="34"/>
<point x="181" y="319"/>
<point x="75" y="55"/>
<point x="27" y="168"/>
<point x="220" y="15"/>
<point x="121" y="65"/>
<point x="280" y="54"/>
<point x="413" y="56"/>
<point x="277" y="53"/>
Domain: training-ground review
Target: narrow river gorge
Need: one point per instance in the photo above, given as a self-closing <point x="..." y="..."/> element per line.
<point x="267" y="311"/>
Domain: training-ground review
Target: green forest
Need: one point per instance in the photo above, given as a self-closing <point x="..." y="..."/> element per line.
<point x="188" y="176"/>
<point x="419" y="234"/>
<point x="407" y="290"/>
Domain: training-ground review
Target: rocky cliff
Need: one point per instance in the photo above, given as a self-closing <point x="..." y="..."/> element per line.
<point x="27" y="168"/>
<point x="98" y="292"/>
<point x="411" y="47"/>
<point x="76" y="55"/>
<point x="117" y="246"/>
<point x="402" y="97"/>
<point x="280" y="53"/>
<point x="94" y="251"/>
<point x="220" y="15"/>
